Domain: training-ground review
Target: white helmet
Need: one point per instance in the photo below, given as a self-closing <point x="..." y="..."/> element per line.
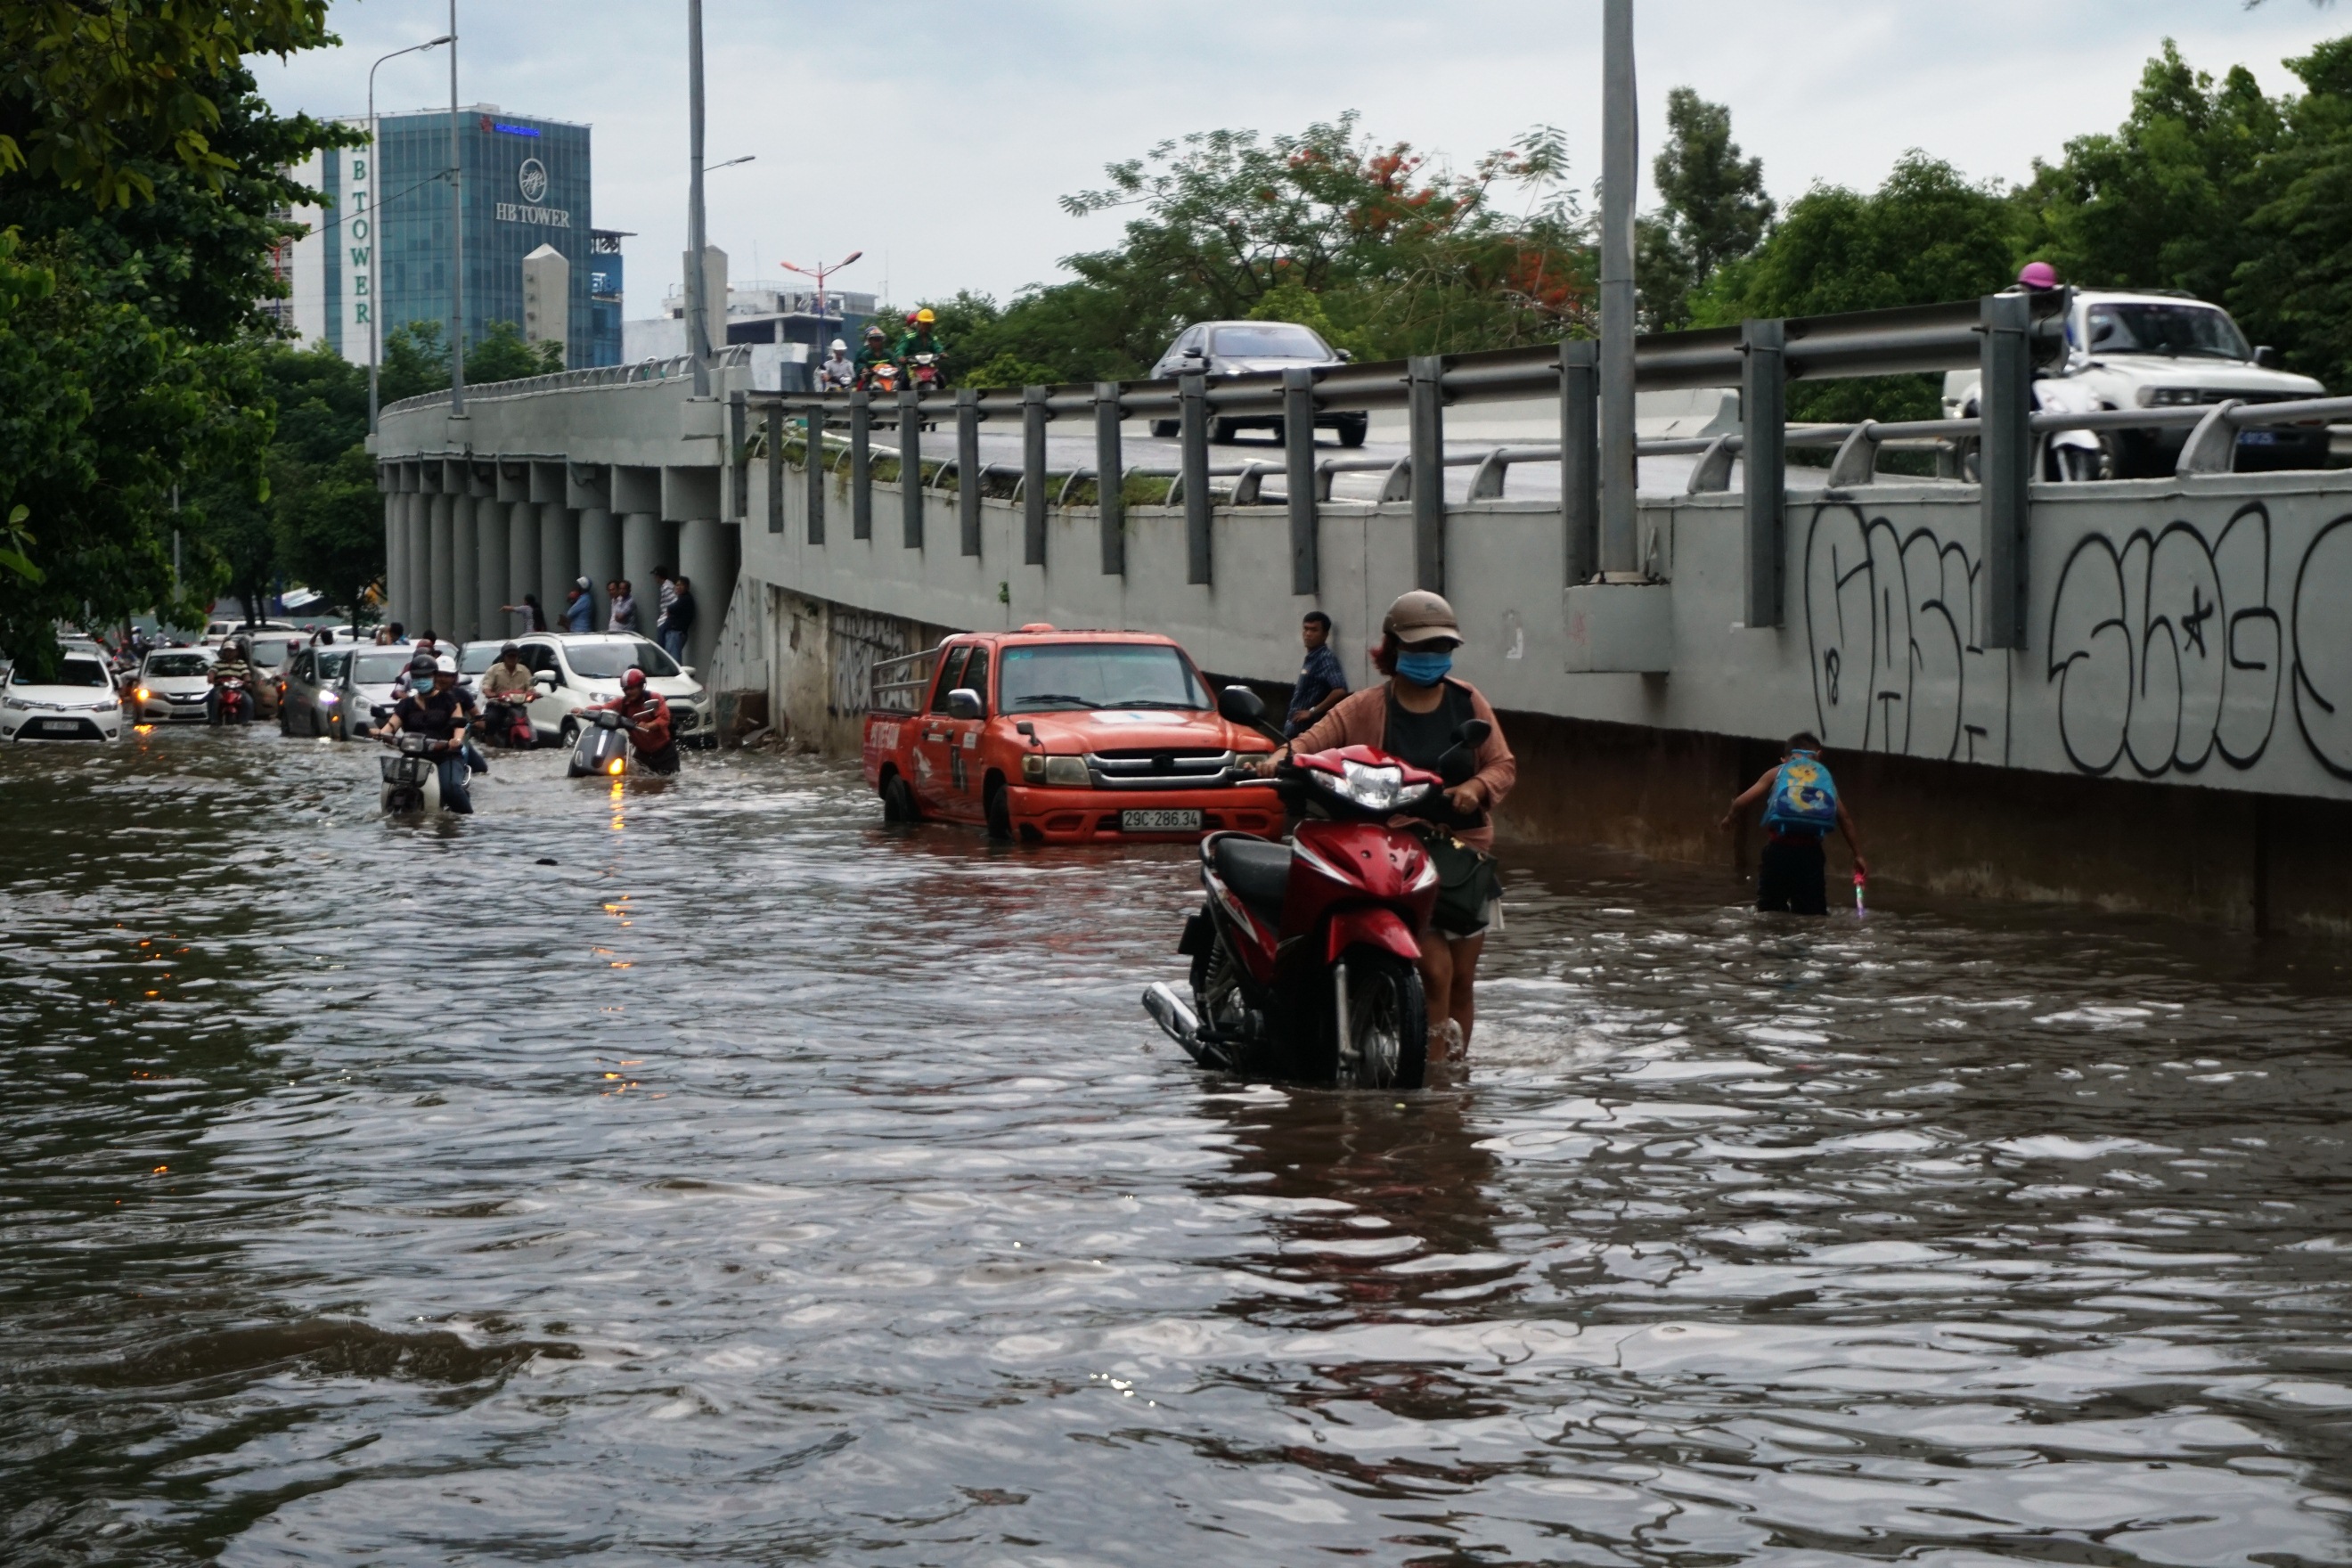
<point x="839" y="347"/>
<point x="444" y="665"/>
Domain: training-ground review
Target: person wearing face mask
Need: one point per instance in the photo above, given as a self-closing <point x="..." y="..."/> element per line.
<point x="1413" y="716"/>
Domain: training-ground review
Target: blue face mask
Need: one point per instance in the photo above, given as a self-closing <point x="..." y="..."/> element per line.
<point x="1424" y="668"/>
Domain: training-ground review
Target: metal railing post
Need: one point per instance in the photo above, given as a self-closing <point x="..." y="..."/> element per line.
<point x="1298" y="477"/>
<point x="1192" y="434"/>
<point x="968" y="478"/>
<point x="861" y="465"/>
<point x="815" y="455"/>
<point x="2004" y="462"/>
<point x="1425" y="410"/>
<point x="774" y="431"/>
<point x="1579" y="457"/>
<point x="910" y="467"/>
<point x="738" y="472"/>
<point x="1033" y="476"/>
<point x="1111" y="487"/>
<point x="1764" y="467"/>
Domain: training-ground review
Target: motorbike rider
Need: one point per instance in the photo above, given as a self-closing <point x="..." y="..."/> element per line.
<point x="837" y="371"/>
<point x="922" y="339"/>
<point x="441" y="713"/>
<point x="646" y="713"/>
<point x="1412" y="716"/>
<point x="506" y="689"/>
<point x="875" y="351"/>
<point x="234" y="662"/>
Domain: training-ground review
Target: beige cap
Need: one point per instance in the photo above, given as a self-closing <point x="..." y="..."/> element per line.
<point x="1421" y="616"/>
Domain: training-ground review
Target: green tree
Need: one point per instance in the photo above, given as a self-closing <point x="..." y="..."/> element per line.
<point x="2296" y="287"/>
<point x="1713" y="208"/>
<point x="502" y="355"/>
<point x="1925" y="235"/>
<point x="415" y="361"/>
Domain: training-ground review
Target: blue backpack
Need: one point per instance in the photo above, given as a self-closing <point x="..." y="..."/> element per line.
<point x="1803" y="797"/>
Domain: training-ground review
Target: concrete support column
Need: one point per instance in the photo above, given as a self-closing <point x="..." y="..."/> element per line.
<point x="522" y="566"/>
<point x="416" y="602"/>
<point x="491" y="519"/>
<point x="442" y="600"/>
<point x="706" y="556"/>
<point x="645" y="545"/>
<point x="559" y="558"/>
<point x="465" y="570"/>
<point x="600" y="555"/>
<point x="395" y="535"/>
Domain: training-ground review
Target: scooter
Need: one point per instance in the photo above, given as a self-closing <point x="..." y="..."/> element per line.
<point x="412" y="781"/>
<point x="1305" y="954"/>
<point x="235" y="703"/>
<point x="882" y="376"/>
<point x="602" y="747"/>
<point x="508" y="724"/>
<point x="928" y="374"/>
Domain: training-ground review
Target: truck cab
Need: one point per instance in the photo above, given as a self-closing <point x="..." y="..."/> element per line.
<point x="2161" y="349"/>
<point x="1062" y="737"/>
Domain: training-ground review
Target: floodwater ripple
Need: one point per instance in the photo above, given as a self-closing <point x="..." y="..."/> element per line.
<point x="701" y="1169"/>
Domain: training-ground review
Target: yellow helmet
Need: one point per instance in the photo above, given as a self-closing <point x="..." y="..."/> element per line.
<point x="923" y="318"/>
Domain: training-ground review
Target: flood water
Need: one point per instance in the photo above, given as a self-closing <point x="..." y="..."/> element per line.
<point x="757" y="1184"/>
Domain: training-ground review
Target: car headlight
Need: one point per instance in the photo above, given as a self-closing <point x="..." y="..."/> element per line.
<point x="2169" y="396"/>
<point x="1067" y="772"/>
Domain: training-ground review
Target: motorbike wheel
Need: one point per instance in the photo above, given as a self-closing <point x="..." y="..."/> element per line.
<point x="898" y="801"/>
<point x="1388" y="1024"/>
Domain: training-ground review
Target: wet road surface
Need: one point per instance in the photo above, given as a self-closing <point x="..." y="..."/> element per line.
<point x="757" y="1184"/>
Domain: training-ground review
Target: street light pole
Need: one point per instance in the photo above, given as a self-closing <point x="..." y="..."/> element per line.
<point x="820" y="273"/>
<point x="375" y="309"/>
<point x="1619" y="149"/>
<point x="457" y="237"/>
<point x="698" y="306"/>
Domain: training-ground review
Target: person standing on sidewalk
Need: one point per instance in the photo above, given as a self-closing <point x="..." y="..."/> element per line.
<point x="665" y="595"/>
<point x="1321" y="682"/>
<point x="679" y="625"/>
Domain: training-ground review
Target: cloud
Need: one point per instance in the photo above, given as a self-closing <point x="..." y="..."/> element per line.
<point x="937" y="138"/>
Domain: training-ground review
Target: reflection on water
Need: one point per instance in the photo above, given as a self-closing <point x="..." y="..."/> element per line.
<point x="658" y="1172"/>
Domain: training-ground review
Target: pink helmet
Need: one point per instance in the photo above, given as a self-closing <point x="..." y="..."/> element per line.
<point x="2038" y="275"/>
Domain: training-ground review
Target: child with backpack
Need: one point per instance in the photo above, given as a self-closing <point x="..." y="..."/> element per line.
<point x="1801" y="806"/>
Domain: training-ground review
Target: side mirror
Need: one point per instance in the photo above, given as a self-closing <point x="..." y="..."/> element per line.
<point x="1460" y="761"/>
<point x="1347" y="357"/>
<point x="1192" y="353"/>
<point x="963" y="702"/>
<point x="544" y="680"/>
<point x="1240" y="705"/>
<point x="2266" y="356"/>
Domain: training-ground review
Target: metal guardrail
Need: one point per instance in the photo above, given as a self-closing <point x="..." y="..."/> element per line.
<point x="649" y="369"/>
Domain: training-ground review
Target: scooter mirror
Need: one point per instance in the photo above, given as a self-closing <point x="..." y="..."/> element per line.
<point x="1474" y="732"/>
<point x="1240" y="705"/>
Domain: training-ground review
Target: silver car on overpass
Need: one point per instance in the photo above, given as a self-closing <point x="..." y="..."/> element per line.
<point x="1244" y="348"/>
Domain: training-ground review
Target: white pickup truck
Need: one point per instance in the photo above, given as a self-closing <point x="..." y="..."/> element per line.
<point x="2155" y="349"/>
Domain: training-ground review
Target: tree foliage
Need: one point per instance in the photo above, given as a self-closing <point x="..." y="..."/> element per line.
<point x="1713" y="208"/>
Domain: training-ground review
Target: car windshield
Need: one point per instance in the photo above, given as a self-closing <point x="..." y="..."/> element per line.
<point x="1269" y="340"/>
<point x="1043" y="676"/>
<point x="2182" y="328"/>
<point x="378" y="669"/>
<point x="178" y="664"/>
<point x="330" y="664"/>
<point x="72" y="672"/>
<point x="609" y="660"/>
<point x="479" y="658"/>
<point x="271" y="652"/>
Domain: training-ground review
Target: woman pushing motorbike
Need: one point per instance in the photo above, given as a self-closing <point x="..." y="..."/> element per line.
<point x="1413" y="716"/>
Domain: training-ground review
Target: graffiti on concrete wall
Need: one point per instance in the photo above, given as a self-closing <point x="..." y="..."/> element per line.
<point x="1892" y="621"/>
<point x="856" y="641"/>
<point x="2165" y="651"/>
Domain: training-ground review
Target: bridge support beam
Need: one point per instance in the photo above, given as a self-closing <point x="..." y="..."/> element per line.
<point x="1425" y="406"/>
<point x="1033" y="416"/>
<point x="464" y="566"/>
<point x="558" y="559"/>
<point x="1764" y="467"/>
<point x="645" y="545"/>
<point x="523" y="564"/>
<point x="600" y="558"/>
<point x="441" y="601"/>
<point x="706" y="556"/>
<point x="910" y="469"/>
<point x="1298" y="479"/>
<point x="2005" y="462"/>
<point x="1579" y="457"/>
<point x="969" y="483"/>
<point x="861" y="465"/>
<point x="1110" y="480"/>
<point x="1193" y="438"/>
<point x="492" y="520"/>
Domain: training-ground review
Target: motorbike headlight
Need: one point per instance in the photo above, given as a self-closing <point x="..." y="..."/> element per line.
<point x="1371" y="786"/>
<point x="142" y="694"/>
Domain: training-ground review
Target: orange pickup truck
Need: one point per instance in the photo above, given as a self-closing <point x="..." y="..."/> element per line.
<point x="1062" y="738"/>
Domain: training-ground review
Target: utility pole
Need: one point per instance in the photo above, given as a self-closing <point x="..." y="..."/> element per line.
<point x="698" y="308"/>
<point x="457" y="237"/>
<point x="1619" y="173"/>
<point x="375" y="207"/>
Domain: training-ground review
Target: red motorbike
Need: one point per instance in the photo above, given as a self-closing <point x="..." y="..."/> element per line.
<point x="509" y="724"/>
<point x="927" y="373"/>
<point x="231" y="704"/>
<point x="1304" y="954"/>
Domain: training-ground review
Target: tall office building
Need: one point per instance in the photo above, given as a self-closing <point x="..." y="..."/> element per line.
<point x="378" y="253"/>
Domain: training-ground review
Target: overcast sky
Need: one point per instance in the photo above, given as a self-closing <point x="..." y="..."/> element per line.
<point x="936" y="137"/>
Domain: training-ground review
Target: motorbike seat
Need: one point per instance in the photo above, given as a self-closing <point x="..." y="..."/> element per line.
<point x="1255" y="870"/>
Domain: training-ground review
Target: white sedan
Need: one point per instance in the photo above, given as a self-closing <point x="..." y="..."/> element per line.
<point x="575" y="669"/>
<point x="78" y="703"/>
<point x="172" y="685"/>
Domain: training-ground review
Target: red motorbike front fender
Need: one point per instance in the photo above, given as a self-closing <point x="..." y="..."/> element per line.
<point x="1373" y="928"/>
